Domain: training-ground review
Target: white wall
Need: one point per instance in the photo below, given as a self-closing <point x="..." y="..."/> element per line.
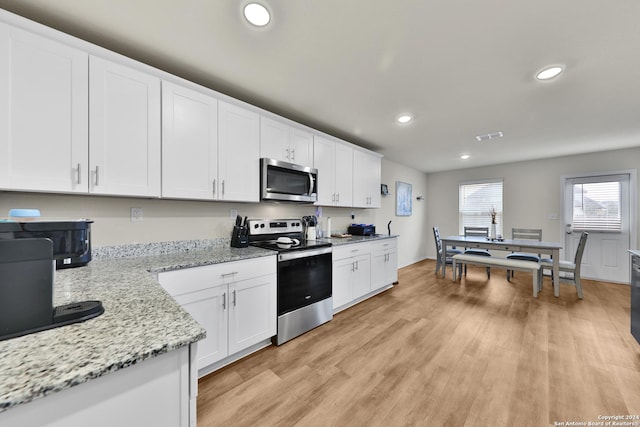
<point x="532" y="190"/>
<point x="413" y="230"/>
<point x="167" y="220"/>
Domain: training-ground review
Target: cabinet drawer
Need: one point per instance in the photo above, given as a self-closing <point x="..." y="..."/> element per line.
<point x="180" y="282"/>
<point x="348" y="251"/>
<point x="386" y="245"/>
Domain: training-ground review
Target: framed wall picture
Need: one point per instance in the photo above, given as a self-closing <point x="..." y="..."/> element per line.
<point x="403" y="198"/>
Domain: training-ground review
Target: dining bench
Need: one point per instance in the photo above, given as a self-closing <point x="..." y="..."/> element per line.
<point x="509" y="264"/>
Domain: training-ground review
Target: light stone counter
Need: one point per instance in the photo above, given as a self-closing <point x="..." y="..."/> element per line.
<point x="140" y="320"/>
<point x="337" y="241"/>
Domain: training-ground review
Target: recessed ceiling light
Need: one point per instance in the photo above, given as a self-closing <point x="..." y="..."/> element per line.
<point x="257" y="14"/>
<point x="465" y="156"/>
<point x="404" y="118"/>
<point x="549" y="73"/>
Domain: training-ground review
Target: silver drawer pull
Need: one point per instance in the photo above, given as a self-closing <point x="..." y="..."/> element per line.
<point x="229" y="274"/>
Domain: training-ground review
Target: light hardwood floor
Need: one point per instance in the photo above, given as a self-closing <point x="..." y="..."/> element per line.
<point x="431" y="352"/>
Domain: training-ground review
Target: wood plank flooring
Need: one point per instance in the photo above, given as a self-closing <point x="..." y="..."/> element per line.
<point x="431" y="352"/>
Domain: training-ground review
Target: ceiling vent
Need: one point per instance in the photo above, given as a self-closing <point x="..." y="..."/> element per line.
<point x="489" y="136"/>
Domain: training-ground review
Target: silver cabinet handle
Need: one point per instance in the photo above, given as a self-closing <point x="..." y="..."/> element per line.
<point x="234" y="298"/>
<point x="293" y="155"/>
<point x="78" y="171"/>
<point x="288" y="155"/>
<point x="229" y="274"/>
<point x="338" y="197"/>
<point x="224" y="301"/>
<point x="214" y="188"/>
<point x="97" y="175"/>
<point x="223" y="187"/>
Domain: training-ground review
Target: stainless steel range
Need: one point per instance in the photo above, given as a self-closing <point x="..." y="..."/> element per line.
<point x="304" y="275"/>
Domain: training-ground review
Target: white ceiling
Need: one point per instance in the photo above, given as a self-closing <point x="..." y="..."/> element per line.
<point x="349" y="67"/>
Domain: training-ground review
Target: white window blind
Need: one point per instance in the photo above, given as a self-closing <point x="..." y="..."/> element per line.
<point x="476" y="201"/>
<point x="596" y="206"/>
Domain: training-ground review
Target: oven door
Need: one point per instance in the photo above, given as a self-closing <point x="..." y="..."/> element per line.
<point x="284" y="181"/>
<point x="304" y="277"/>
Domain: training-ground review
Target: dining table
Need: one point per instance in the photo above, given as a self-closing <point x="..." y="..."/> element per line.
<point x="509" y="245"/>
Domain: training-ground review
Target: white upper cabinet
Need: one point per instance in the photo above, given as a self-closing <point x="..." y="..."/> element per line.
<point x="334" y="162"/>
<point x="189" y="143"/>
<point x="124" y="133"/>
<point x="287" y="143"/>
<point x="344" y="175"/>
<point x="239" y="154"/>
<point x="43" y="114"/>
<point x="301" y="147"/>
<point x="323" y="155"/>
<point x="366" y="180"/>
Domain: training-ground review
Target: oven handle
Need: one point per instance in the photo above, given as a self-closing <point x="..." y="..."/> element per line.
<point x="287" y="256"/>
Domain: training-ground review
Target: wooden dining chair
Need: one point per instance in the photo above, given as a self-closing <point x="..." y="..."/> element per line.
<point x="477" y="232"/>
<point x="524" y="234"/>
<point x="568" y="266"/>
<point x="450" y="252"/>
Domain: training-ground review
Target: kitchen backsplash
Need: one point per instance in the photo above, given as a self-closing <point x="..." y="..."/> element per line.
<point x="167" y="220"/>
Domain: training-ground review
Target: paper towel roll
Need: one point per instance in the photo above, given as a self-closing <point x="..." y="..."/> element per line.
<point x="329" y="226"/>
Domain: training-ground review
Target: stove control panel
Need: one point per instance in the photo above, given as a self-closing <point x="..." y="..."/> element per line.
<point x="274" y="226"/>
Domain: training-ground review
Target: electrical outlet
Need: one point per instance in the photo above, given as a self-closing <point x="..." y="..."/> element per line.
<point x="136" y="215"/>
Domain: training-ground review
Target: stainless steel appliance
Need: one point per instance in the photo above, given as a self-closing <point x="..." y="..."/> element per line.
<point x="635" y="296"/>
<point x="282" y="181"/>
<point x="71" y="238"/>
<point x="304" y="275"/>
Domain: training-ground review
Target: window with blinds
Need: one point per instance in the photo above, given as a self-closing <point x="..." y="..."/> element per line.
<point x="596" y="206"/>
<point x="476" y="201"/>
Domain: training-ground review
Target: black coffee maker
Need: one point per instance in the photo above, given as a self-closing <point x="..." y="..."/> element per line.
<point x="26" y="290"/>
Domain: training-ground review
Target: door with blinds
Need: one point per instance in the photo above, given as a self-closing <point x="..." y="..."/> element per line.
<point x="600" y="206"/>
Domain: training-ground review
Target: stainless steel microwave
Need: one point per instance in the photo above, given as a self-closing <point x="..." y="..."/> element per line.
<point x="282" y="181"/>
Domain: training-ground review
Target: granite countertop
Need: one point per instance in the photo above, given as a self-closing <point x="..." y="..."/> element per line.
<point x="635" y="252"/>
<point x="140" y="321"/>
<point x="337" y="241"/>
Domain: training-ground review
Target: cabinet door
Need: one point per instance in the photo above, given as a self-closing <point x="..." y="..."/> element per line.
<point x="124" y="132"/>
<point x="323" y="155"/>
<point x="343" y="175"/>
<point x="366" y="180"/>
<point x="392" y="267"/>
<point x="239" y="154"/>
<point x="362" y="276"/>
<point x="301" y="147"/>
<point x="209" y="307"/>
<point x="343" y="272"/>
<point x="379" y="270"/>
<point x="274" y="140"/>
<point x="253" y="312"/>
<point x="43" y="114"/>
<point x="189" y="143"/>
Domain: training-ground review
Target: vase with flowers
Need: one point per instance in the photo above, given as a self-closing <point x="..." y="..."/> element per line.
<point x="494" y="223"/>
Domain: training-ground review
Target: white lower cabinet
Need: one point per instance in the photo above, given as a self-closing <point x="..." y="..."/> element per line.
<point x="384" y="263"/>
<point x="155" y="392"/>
<point x="360" y="270"/>
<point x="351" y="273"/>
<point x="235" y="302"/>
